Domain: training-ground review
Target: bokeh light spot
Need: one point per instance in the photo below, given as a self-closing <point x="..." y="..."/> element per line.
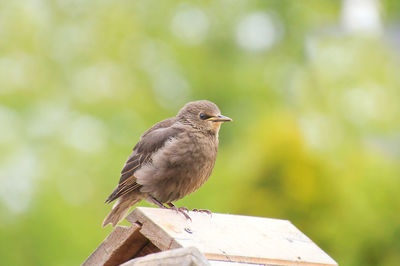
<point x="258" y="31"/>
<point x="190" y="24"/>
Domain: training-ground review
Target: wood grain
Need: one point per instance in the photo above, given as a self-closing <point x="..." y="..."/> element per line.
<point x="235" y="238"/>
<point x="121" y="245"/>
<point x="181" y="256"/>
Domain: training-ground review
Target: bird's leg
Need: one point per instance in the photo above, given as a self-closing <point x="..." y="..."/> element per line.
<point x="156" y="202"/>
<point x="170" y="204"/>
<point x="182" y="210"/>
<point x="205" y="211"/>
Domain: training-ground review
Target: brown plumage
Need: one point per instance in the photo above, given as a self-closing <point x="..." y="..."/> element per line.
<point x="172" y="159"/>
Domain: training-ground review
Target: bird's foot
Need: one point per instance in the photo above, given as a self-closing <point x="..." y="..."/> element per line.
<point x="204" y="211"/>
<point x="182" y="210"/>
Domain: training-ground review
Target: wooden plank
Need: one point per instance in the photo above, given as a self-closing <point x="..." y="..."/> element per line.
<point x="152" y="230"/>
<point x="227" y="237"/>
<point x="234" y="263"/>
<point x="120" y="246"/>
<point x="149" y="248"/>
<point x="181" y="256"/>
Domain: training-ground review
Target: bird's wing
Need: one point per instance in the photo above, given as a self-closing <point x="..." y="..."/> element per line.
<point x="150" y="142"/>
<point x="162" y="124"/>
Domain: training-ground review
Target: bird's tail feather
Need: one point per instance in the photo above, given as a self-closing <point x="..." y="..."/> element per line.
<point x="120" y="209"/>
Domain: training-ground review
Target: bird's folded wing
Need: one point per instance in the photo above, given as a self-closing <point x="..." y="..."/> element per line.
<point x="142" y="154"/>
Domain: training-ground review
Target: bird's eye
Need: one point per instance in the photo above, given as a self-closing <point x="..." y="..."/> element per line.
<point x="203" y="116"/>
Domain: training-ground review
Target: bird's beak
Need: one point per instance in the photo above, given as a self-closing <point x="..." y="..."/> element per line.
<point x="219" y="118"/>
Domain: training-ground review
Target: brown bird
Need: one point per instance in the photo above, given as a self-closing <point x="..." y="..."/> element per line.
<point x="171" y="160"/>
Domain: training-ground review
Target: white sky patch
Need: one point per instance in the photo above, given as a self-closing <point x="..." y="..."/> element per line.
<point x="361" y="16"/>
<point x="85" y="133"/>
<point x="17" y="174"/>
<point x="258" y="31"/>
<point x="190" y="24"/>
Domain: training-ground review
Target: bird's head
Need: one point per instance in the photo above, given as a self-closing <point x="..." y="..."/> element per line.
<point x="203" y="115"/>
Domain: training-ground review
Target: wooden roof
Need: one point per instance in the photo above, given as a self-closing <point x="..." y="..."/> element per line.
<point x="219" y="237"/>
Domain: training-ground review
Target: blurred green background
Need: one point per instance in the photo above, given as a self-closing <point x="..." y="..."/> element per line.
<point x="312" y="86"/>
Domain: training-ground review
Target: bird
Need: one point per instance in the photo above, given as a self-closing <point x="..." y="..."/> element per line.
<point x="172" y="159"/>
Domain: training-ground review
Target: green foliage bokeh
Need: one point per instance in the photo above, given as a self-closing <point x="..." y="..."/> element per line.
<point x="315" y="137"/>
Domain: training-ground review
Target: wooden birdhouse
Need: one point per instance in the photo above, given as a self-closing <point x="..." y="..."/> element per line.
<point x="165" y="237"/>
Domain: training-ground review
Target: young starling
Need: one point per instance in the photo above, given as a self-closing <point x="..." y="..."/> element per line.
<point x="171" y="160"/>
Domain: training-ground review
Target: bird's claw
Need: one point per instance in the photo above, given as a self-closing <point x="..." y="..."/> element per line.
<point x="204" y="211"/>
<point x="182" y="210"/>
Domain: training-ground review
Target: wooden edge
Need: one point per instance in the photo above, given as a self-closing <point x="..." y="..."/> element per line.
<point x="262" y="261"/>
<point x="152" y="231"/>
<point x="179" y="256"/>
<point x="120" y="246"/>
